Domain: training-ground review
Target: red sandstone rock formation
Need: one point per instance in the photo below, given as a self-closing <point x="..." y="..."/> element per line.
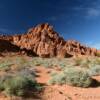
<point x="45" y="42"/>
<point x="75" y="48"/>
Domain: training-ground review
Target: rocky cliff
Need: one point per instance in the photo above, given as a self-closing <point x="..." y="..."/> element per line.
<point x="43" y="41"/>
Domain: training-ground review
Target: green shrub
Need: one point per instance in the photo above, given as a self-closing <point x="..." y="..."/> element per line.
<point x="18" y="83"/>
<point x="78" y="77"/>
<point x="72" y="76"/>
<point x="51" y="62"/>
<point x="26" y="73"/>
<point x="85" y="63"/>
<point x="78" y="61"/>
<point x="97" y="61"/>
<point x="58" y="79"/>
<point x="2" y="81"/>
<point x="5" y="66"/>
<point x="98" y="54"/>
<point x="94" y="70"/>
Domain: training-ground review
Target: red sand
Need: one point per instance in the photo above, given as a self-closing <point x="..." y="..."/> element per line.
<point x="66" y="92"/>
<point x="56" y="92"/>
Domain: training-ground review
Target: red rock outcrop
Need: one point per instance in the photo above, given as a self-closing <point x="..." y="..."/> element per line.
<point x="42" y="40"/>
<point x="75" y="48"/>
<point x="45" y="42"/>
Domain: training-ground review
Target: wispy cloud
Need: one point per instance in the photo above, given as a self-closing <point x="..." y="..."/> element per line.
<point x="52" y="18"/>
<point x="61" y="16"/>
<point x="88" y="11"/>
<point x="4" y="30"/>
<point x="93" y="12"/>
<point x="10" y="31"/>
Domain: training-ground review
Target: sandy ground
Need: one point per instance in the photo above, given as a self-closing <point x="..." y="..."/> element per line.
<point x="56" y="92"/>
<point x="65" y="92"/>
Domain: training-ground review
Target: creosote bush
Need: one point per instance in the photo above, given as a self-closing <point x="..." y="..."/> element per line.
<point x="72" y="76"/>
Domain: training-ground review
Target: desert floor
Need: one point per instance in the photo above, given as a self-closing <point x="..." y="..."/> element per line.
<point x="57" y="92"/>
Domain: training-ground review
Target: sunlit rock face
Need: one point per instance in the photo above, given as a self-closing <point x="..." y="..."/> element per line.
<point x="45" y="42"/>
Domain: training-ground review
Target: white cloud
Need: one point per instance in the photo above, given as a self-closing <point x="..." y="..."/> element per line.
<point x="87" y="12"/>
<point x="4" y="30"/>
<point x="93" y="12"/>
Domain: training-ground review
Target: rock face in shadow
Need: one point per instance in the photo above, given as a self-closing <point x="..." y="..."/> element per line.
<point x="6" y="46"/>
<point x="43" y="41"/>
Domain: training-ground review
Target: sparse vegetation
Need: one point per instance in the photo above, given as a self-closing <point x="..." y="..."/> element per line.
<point x="94" y="71"/>
<point x="85" y="63"/>
<point x="5" y="64"/>
<point x="73" y="77"/>
<point x="78" y="61"/>
<point x="18" y="83"/>
<point x="76" y="72"/>
<point x="98" y="54"/>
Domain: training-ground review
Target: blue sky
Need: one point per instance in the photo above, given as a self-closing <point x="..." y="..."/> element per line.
<point x="73" y="19"/>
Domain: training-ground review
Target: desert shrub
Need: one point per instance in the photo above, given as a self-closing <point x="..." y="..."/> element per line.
<point x="5" y="65"/>
<point x="2" y="80"/>
<point x="72" y="76"/>
<point x="58" y="79"/>
<point x="46" y="62"/>
<point x="62" y="65"/>
<point x="78" y="77"/>
<point x="53" y="73"/>
<point x="18" y="83"/>
<point x="98" y="54"/>
<point x="97" y="61"/>
<point x="36" y="61"/>
<point x="94" y="70"/>
<point x="19" y="60"/>
<point x="26" y="72"/>
<point x="18" y="63"/>
<point x="50" y="62"/>
<point x="78" y="61"/>
<point x="85" y="63"/>
<point x="21" y="63"/>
